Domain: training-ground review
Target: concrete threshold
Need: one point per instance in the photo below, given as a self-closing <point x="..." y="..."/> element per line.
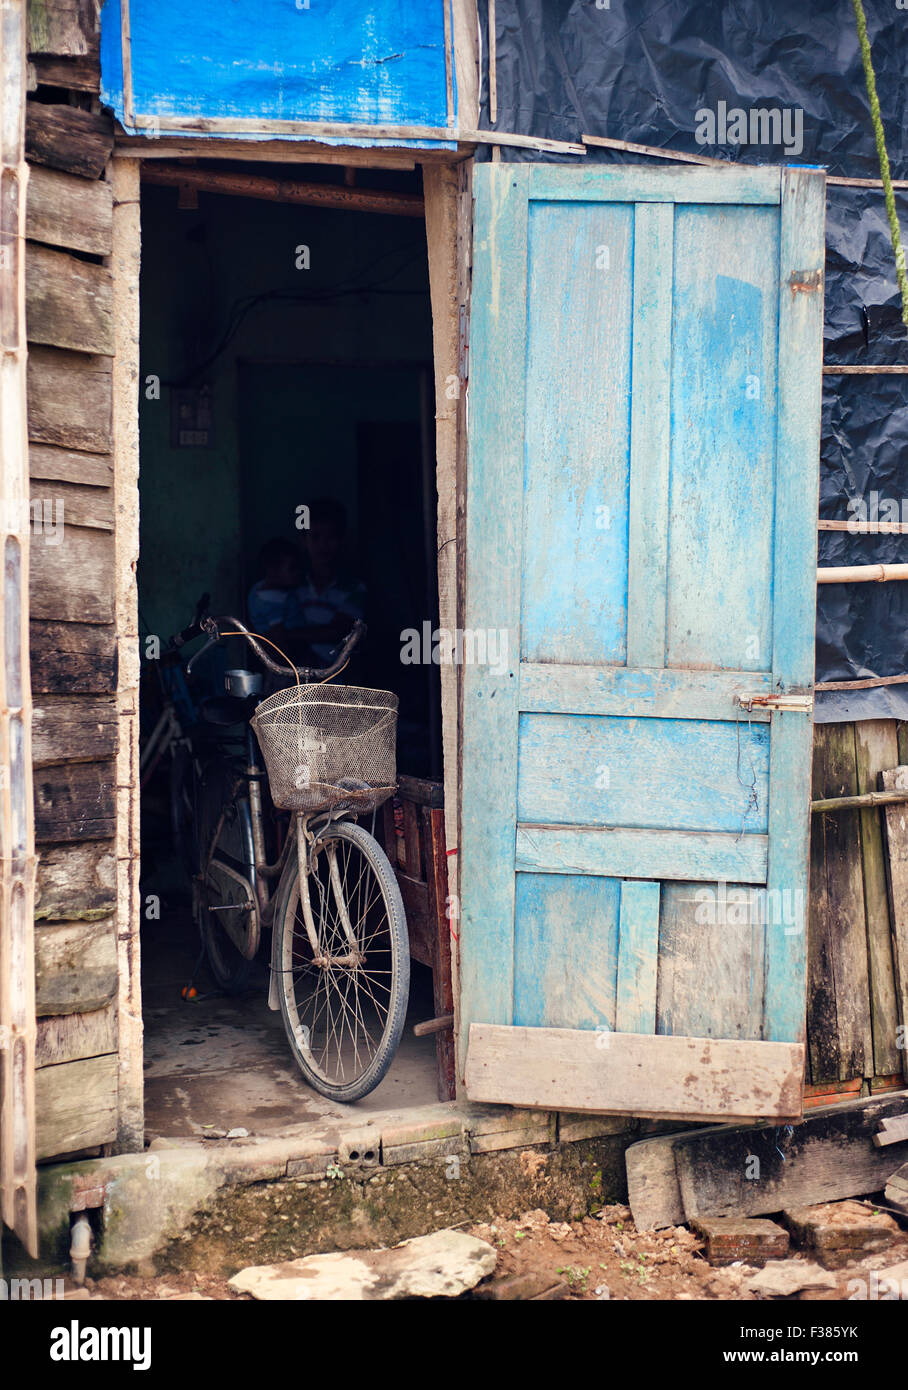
<point x="217" y="1205"/>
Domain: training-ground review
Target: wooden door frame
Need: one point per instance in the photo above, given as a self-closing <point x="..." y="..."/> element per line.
<point x="18" y="1025"/>
<point x="447" y="177"/>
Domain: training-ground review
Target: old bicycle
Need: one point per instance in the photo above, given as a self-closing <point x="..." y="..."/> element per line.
<point x="340" y="963"/>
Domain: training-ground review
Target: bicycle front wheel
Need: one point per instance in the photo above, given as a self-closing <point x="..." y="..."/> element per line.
<point x="344" y="1004"/>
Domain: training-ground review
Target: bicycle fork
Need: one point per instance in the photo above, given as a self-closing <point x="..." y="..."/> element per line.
<point x="304" y="841"/>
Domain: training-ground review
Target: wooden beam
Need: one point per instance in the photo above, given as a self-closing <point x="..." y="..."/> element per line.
<point x="634" y="1073"/>
<point x="324" y="195"/>
<point x="17" y="828"/>
<point x="276" y="152"/>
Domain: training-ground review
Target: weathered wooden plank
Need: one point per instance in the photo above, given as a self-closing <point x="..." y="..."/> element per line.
<point x="650" y="435"/>
<point x="828" y="1156"/>
<point x="876" y="747"/>
<point x="896" y="819"/>
<point x="607" y="770"/>
<point x="891" y="1131"/>
<point x="60" y="26"/>
<point x="492" y="601"/>
<point x="73" y="658"/>
<point x="723" y="397"/>
<point x="573" y="1069"/>
<point x="650" y="854"/>
<point x="69" y="399"/>
<point x="70" y="466"/>
<point x="70" y="728"/>
<point x="76" y="1105"/>
<point x="579" y="275"/>
<point x="838" y="1004"/>
<point x="82" y="74"/>
<point x="76" y="882"/>
<point x="896" y="1190"/>
<point x="71" y="504"/>
<point x="73" y="581"/>
<point x="638" y="957"/>
<point x="65" y="210"/>
<point x="653" y="1193"/>
<point x="735" y="185"/>
<point x="712" y="960"/>
<point x="75" y="802"/>
<point x="70" y="1037"/>
<point x="565" y="951"/>
<point x="75" y="966"/>
<point x="64" y="137"/>
<point x="554" y="688"/>
<point x="415" y="900"/>
<point x="68" y="301"/>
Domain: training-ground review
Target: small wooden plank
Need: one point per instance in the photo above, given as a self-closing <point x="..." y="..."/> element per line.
<point x="75" y="802"/>
<point x="411" y="841"/>
<point x="734" y="185"/>
<point x="896" y="820"/>
<point x="63" y="137"/>
<point x="579" y="1069"/>
<point x="75" y="966"/>
<point x="76" y="1105"/>
<point x="896" y="1190"/>
<point x="81" y="74"/>
<point x="653" y="1193"/>
<point x="69" y="399"/>
<point x="68" y="302"/>
<point x="588" y="769"/>
<point x="654" y="226"/>
<point x="76" y="882"/>
<point x="65" y="210"/>
<point x="433" y="819"/>
<point x="66" y="728"/>
<point x="891" y="1131"/>
<point x="876" y="747"/>
<point x="71" y="504"/>
<point x="649" y="854"/>
<point x="838" y="1002"/>
<point x="65" y="27"/>
<point x="70" y="466"/>
<point x="73" y="658"/>
<point x="553" y="688"/>
<point x="73" y="581"/>
<point x="415" y="900"/>
<point x="751" y="1172"/>
<point x="638" y="956"/>
<point x="70" y="1037"/>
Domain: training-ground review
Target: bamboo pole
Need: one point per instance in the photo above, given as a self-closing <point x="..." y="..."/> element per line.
<point x="17" y="828"/>
<point x="869" y="683"/>
<point x="894" y="369"/>
<point x="861" y="574"/>
<point x="851" y="803"/>
<point x="866" y="528"/>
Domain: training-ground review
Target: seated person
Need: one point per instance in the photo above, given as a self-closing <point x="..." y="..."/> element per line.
<point x="272" y="605"/>
<point x="329" y="601"/>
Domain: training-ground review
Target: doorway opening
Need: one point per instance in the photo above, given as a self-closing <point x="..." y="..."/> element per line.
<point x="287" y="402"/>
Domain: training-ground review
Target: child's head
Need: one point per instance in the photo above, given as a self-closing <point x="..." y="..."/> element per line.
<point x="324" y="537"/>
<point x="279" y="564"/>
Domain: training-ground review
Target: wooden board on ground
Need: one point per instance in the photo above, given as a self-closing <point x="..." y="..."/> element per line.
<point x="897" y="1190"/>
<point x="751" y="1172"/>
<point x="897" y="878"/>
<point x="65" y="210"/>
<point x="76" y="1105"/>
<point x="891" y="1131"/>
<point x="653" y="1193"/>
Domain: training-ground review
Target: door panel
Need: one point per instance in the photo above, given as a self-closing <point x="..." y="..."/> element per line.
<point x="642" y="488"/>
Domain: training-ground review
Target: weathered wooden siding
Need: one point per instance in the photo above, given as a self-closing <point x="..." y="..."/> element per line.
<point x="852" y="1010"/>
<point x="70" y="325"/>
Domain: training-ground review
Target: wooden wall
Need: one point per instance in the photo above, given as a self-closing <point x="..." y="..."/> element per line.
<point x="853" y="1010"/>
<point x="69" y="320"/>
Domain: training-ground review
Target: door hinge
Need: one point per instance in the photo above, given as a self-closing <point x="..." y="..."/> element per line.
<point x="803" y="704"/>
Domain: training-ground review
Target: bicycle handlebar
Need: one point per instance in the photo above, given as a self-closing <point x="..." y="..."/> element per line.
<point x="307" y="675"/>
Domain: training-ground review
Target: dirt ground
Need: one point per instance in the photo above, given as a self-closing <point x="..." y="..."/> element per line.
<point x="600" y="1257"/>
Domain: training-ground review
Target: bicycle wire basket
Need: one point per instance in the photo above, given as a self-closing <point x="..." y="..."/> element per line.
<point x="328" y="747"/>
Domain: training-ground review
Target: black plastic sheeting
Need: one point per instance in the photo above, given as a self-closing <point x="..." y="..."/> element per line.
<point x="642" y="72"/>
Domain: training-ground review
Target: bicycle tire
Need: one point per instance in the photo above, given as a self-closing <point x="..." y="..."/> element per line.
<point x="231" y="969"/>
<point x="388" y="948"/>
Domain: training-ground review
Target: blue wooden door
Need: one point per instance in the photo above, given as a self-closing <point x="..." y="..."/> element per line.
<point x="640" y="593"/>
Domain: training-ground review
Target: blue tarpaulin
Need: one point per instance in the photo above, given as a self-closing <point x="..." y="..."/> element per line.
<point x="363" y="62"/>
